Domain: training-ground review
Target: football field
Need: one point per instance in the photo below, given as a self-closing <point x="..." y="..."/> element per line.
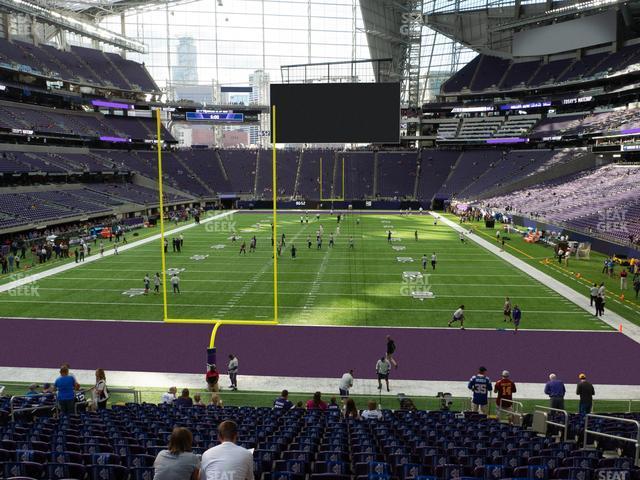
<point x="375" y="283"/>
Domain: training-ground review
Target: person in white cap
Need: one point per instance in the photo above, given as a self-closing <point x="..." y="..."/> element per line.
<point x="504" y="388"/>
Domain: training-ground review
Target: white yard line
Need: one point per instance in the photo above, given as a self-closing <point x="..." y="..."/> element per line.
<point x="249" y="383"/>
<point x="296" y="325"/>
<point x="29" y="279"/>
<point x="315" y="287"/>
<point x="612" y="319"/>
<point x="210" y="305"/>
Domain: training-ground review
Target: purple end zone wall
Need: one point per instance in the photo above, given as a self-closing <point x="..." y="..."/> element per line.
<point x="323" y="352"/>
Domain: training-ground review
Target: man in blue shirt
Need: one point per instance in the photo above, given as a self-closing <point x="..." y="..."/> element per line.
<point x="283" y="401"/>
<point x="65" y="386"/>
<point x="555" y="390"/>
<point x="480" y="385"/>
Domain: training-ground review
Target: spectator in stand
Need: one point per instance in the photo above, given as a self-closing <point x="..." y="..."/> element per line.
<point x="197" y="400"/>
<point x="100" y="391"/>
<point x="480" y="385"/>
<point x="283" y="401"/>
<point x="216" y="401"/>
<point x="333" y="404"/>
<point x="636" y="285"/>
<point x="346" y="382"/>
<point x="213" y="379"/>
<point x="184" y="400"/>
<point x="227" y="460"/>
<point x="169" y="396"/>
<point x="33" y="390"/>
<point x="504" y="388"/>
<point x="316" y="403"/>
<point x="372" y="412"/>
<point x="350" y="410"/>
<point x="585" y="391"/>
<point x="177" y="462"/>
<point x="65" y="386"/>
<point x="556" y="391"/>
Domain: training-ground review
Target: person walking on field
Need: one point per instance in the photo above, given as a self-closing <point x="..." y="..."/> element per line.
<point x="175" y="283"/>
<point x="623" y="279"/>
<point x="391" y="349"/>
<point x="232" y="370"/>
<point x="382" y="370"/>
<point x="506" y="310"/>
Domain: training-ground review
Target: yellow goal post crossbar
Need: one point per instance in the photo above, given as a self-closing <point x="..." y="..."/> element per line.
<point x="217" y="322"/>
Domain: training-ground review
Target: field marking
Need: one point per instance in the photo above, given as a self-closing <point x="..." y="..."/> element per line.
<point x="266" y="292"/>
<point x="315" y="286"/>
<point x="319" y="325"/>
<point x="27" y="279"/>
<point x="372" y="274"/>
<point x="612" y="319"/>
<point x="197" y="305"/>
<point x="240" y="293"/>
<point x="519" y="285"/>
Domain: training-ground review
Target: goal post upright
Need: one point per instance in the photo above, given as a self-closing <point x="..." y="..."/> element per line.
<point x="218" y="322"/>
<point x="165" y="308"/>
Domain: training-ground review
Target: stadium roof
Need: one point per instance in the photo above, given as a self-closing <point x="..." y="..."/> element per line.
<point x="99" y="8"/>
<point x="490" y="28"/>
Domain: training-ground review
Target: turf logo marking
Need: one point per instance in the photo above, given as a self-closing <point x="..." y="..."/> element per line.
<point x="134" y="292"/>
<point x="399" y="248"/>
<point x="218" y="247"/>
<point x="199" y="257"/>
<point x="404" y="259"/>
<point x="174" y="271"/>
<point x="396" y="239"/>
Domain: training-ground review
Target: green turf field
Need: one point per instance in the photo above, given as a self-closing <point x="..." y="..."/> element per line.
<point x="579" y="274"/>
<point x="332" y="286"/>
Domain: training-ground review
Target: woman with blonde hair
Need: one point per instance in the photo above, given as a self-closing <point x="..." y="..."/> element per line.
<point x="216" y="401"/>
<point x="100" y="391"/>
<point x="177" y="462"/>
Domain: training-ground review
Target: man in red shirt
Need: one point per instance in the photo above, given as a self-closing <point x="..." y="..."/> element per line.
<point x="212" y="378"/>
<point x="505" y="388"/>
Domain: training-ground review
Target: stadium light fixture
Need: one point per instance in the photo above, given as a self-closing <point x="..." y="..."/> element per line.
<point x="67" y="22"/>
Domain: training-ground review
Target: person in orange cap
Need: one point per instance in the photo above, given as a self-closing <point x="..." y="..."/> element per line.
<point x="586" y="392"/>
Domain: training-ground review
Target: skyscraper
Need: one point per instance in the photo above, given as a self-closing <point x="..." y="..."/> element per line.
<point x="259" y="82"/>
<point x="185" y="72"/>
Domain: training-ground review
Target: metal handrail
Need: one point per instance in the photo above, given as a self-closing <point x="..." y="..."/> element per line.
<point x="615" y="437"/>
<point x="136" y="393"/>
<point x="564" y="426"/>
<point x="517" y="412"/>
<point x="32" y="408"/>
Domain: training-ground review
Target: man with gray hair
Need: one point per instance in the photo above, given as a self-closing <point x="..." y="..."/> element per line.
<point x="556" y="391"/>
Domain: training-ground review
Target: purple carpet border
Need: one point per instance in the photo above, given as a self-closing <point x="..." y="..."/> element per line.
<point x="320" y="352"/>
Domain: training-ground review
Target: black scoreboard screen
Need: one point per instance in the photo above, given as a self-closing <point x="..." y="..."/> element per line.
<point x="337" y="112"/>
